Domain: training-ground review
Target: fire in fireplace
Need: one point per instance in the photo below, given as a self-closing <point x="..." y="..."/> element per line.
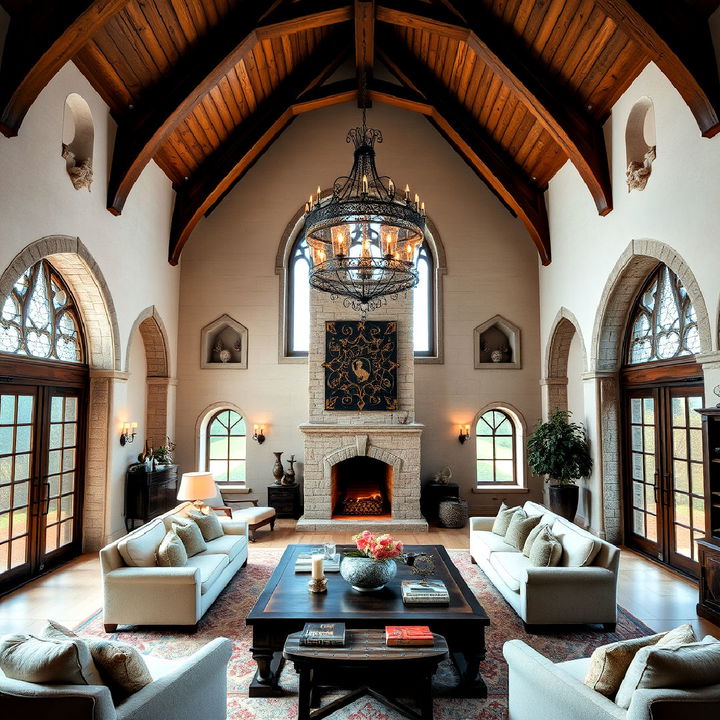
<point x="361" y="486"/>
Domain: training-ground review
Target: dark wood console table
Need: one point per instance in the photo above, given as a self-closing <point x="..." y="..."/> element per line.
<point x="149" y="494"/>
<point x="285" y="605"/>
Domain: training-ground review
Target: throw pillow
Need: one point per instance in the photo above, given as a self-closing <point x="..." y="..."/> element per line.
<point x="689" y="665"/>
<point x="121" y="666"/>
<point x="210" y="525"/>
<point x="502" y="521"/>
<point x="609" y="663"/>
<point x="578" y="549"/>
<point x="171" y="552"/>
<point x="531" y="537"/>
<point x="519" y="528"/>
<point x="191" y="537"/>
<point x="139" y="547"/>
<point x="546" y="550"/>
<point x="48" y="660"/>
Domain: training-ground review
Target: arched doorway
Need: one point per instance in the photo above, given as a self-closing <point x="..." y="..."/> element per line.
<point x="43" y="400"/>
<point x="662" y="436"/>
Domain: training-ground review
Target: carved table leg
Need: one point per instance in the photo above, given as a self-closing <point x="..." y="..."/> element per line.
<point x="269" y="663"/>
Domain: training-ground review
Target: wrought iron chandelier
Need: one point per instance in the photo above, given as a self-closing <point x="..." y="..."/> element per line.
<point x="363" y="238"/>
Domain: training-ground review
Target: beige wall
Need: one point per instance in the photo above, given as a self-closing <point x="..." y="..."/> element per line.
<point x="228" y="267"/>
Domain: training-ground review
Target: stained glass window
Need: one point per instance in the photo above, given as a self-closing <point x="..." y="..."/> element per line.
<point x="297" y="309"/>
<point x="39" y="318"/>
<point x="664" y="323"/>
<point x="495" y="442"/>
<point x="226" y="436"/>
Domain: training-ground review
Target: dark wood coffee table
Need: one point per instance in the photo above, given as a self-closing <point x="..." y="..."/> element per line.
<point x="285" y="605"/>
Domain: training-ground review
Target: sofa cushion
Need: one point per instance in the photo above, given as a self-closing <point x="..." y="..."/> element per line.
<point x="609" y="663"/>
<point x="138" y="548"/>
<point x="486" y="542"/>
<point x="502" y="521"/>
<point x="519" y="528"/>
<point x="48" y="660"/>
<point x="210" y="566"/>
<point x="531" y="537"/>
<point x="578" y="547"/>
<point x="546" y="550"/>
<point x="177" y="514"/>
<point x="229" y="545"/>
<point x="254" y="514"/>
<point x="171" y="552"/>
<point x="575" y="668"/>
<point x="191" y="537"/>
<point x="690" y="665"/>
<point x="209" y="524"/>
<point x="511" y="567"/>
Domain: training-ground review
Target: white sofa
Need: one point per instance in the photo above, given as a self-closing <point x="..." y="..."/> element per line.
<point x="549" y="595"/>
<point x="195" y="687"/>
<point x="145" y="594"/>
<point x="542" y="690"/>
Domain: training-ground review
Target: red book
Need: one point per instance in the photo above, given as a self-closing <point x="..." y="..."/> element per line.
<point x="408" y="635"/>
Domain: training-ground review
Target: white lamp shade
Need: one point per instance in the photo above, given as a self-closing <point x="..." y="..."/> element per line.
<point x="197" y="486"/>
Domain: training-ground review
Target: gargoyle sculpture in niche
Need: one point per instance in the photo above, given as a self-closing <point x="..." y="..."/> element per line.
<point x="81" y="173"/>
<point x="638" y="173"/>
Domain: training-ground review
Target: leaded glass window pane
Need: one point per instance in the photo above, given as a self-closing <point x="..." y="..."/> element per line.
<point x="226" y="447"/>
<point x="495" y="440"/>
<point x="664" y="322"/>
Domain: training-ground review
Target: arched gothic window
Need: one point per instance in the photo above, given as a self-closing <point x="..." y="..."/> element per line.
<point x="226" y="448"/>
<point x="496" y="442"/>
<point x="40" y="319"/>
<point x="297" y="310"/>
<point x="664" y="323"/>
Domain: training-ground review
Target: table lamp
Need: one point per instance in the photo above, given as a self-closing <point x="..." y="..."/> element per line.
<point x="196" y="487"/>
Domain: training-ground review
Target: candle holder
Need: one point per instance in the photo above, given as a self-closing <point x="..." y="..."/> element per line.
<point x="318" y="586"/>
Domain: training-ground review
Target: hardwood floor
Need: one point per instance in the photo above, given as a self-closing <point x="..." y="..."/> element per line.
<point x="659" y="598"/>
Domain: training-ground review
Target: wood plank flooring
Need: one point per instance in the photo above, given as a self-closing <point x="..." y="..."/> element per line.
<point x="656" y="596"/>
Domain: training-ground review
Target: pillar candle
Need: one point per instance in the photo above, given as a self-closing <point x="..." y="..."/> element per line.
<point x="317" y="567"/>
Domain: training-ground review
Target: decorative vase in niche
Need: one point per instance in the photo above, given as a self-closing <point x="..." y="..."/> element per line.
<point x="365" y="574"/>
<point x="289" y="476"/>
<point x="497" y="356"/>
<point x="225" y="356"/>
<point x="277" y="470"/>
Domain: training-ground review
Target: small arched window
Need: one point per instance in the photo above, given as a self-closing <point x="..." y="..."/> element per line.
<point x="496" y="442"/>
<point x="664" y="323"/>
<point x="225" y="447"/>
<point x="39" y="317"/>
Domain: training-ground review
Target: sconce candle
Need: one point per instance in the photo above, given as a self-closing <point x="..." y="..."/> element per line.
<point x="259" y="434"/>
<point x="127" y="433"/>
<point x="464" y="433"/>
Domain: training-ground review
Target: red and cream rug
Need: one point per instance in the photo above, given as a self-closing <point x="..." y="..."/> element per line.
<point x="227" y="618"/>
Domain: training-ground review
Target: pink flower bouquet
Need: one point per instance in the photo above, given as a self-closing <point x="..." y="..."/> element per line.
<point x="380" y="547"/>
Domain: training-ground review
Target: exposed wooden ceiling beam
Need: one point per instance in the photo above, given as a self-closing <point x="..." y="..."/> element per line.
<point x="678" y="41"/>
<point x="579" y="136"/>
<point x="144" y="131"/>
<point x="364" y="48"/>
<point x="479" y="150"/>
<point x="38" y="43"/>
<point x="229" y="163"/>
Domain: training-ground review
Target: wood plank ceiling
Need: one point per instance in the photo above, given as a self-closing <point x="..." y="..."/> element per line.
<point x="203" y="87"/>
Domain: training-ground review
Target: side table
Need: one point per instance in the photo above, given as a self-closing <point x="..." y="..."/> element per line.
<point x="285" y="499"/>
<point x="430" y="496"/>
<point x="365" y="666"/>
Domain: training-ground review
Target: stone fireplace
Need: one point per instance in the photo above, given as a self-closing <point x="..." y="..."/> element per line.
<point x="361" y="454"/>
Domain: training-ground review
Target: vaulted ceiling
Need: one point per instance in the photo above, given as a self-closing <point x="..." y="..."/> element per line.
<point x="516" y="87"/>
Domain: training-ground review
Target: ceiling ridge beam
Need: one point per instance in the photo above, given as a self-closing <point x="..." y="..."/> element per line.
<point x="229" y="163"/>
<point x="679" y="42"/>
<point x="141" y="135"/>
<point x="488" y="159"/>
<point x="38" y="43"/>
<point x="364" y="48"/>
<point x="579" y="136"/>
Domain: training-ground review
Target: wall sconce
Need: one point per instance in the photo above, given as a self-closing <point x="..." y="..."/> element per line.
<point x="464" y="433"/>
<point x="127" y="435"/>
<point x="259" y="434"/>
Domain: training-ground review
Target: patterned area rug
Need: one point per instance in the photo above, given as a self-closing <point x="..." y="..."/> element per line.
<point x="227" y="618"/>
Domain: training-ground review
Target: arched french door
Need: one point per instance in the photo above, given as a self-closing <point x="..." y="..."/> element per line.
<point x="43" y="386"/>
<point x="662" y="388"/>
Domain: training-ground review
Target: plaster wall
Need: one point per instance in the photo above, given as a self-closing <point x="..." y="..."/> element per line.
<point x="229" y="267"/>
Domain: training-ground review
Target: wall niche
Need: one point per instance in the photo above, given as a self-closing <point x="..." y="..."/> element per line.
<point x="223" y="344"/>
<point x="497" y="344"/>
<point x="640" y="144"/>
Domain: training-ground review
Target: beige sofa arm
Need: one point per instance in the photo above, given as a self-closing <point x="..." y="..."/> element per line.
<point x="50" y="702"/>
<point x="698" y="704"/>
<point x="569" y="576"/>
<point x="481" y="523"/>
<point x="234" y="527"/>
<point x="154" y="575"/>
<point x="532" y="676"/>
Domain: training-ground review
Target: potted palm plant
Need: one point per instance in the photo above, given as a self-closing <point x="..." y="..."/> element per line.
<point x="559" y="451"/>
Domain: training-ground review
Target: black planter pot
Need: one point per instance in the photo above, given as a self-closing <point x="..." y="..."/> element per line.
<point x="564" y="500"/>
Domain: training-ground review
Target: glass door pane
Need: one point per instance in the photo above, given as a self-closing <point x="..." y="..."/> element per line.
<point x="17" y="415"/>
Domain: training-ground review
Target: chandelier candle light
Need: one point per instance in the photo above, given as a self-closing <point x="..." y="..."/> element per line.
<point x="364" y="237"/>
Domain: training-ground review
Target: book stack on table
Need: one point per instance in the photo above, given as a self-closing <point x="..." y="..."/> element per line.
<point x="323" y="634"/>
<point x="425" y="592"/>
<point x="303" y="563"/>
